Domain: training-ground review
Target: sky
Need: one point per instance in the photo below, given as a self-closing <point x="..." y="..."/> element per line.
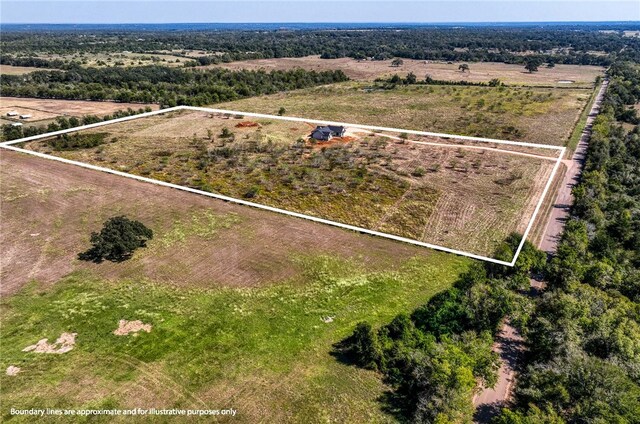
<point x="214" y="11"/>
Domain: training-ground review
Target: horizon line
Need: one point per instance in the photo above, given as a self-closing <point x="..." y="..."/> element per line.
<point x="630" y="21"/>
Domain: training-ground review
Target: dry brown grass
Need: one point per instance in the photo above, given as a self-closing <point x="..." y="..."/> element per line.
<point x="19" y="70"/>
<point x="479" y="72"/>
<point x="43" y="109"/>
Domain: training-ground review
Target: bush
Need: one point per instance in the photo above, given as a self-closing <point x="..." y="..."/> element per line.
<point x="117" y="240"/>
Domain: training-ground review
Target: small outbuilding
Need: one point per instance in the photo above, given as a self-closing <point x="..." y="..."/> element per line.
<point x="327" y="132"/>
<point x="12" y="113"/>
<point x="25" y="116"/>
<point x="16" y="124"/>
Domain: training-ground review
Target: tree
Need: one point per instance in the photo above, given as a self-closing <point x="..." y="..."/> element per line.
<point x="117" y="240"/>
<point x="397" y="62"/>
<point x="395" y="79"/>
<point x="532" y="64"/>
<point x="411" y="78"/>
<point x="282" y="111"/>
<point x="463" y="67"/>
<point x="363" y="347"/>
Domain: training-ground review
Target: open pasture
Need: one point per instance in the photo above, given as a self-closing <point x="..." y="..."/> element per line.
<point x="368" y="70"/>
<point x="430" y="189"/>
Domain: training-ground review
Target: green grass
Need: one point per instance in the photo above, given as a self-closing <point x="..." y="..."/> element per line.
<point x="254" y="349"/>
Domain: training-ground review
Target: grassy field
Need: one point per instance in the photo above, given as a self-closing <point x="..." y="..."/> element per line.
<point x="537" y="115"/>
<point x="560" y="75"/>
<point x="458" y="197"/>
<point x="237" y="332"/>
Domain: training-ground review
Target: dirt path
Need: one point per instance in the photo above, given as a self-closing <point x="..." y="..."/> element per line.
<point x="509" y="343"/>
<point x="564" y="198"/>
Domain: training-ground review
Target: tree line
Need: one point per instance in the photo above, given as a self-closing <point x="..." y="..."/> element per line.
<point x="160" y="84"/>
<point x="583" y="44"/>
<point x="434" y="357"/>
<point x="584" y="334"/>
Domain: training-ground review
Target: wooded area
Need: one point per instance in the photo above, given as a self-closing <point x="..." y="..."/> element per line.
<point x="582" y="334"/>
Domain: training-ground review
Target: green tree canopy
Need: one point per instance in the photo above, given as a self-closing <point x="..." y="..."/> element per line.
<point x="117" y="240"/>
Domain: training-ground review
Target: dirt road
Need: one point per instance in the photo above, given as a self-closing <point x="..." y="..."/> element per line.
<point x="509" y="343"/>
<point x="564" y="198"/>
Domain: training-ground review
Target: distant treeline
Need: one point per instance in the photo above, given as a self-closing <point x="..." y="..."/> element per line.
<point x="159" y="84"/>
<point x="579" y="45"/>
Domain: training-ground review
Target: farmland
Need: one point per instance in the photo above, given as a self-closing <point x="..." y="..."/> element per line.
<point x="244" y="305"/>
<point x="368" y="70"/>
<point x="48" y="109"/>
<point x="462" y="198"/>
<point x="536" y="115"/>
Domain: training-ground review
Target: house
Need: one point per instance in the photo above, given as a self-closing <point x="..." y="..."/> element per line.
<point x="26" y="116"/>
<point x="12" y="113"/>
<point x="16" y="124"/>
<point x="327" y="132"/>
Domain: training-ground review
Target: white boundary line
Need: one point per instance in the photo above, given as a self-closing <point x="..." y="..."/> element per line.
<point x="9" y="146"/>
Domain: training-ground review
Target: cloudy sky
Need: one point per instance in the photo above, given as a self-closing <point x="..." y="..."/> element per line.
<point x="213" y="11"/>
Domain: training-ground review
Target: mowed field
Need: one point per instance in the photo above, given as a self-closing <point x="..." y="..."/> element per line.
<point x="244" y="305"/>
<point x="457" y="196"/>
<point x="536" y="115"/>
<point x="47" y="109"/>
<point x="368" y="70"/>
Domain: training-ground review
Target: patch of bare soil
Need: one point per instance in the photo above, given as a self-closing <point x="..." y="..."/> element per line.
<point x="13" y="370"/>
<point x="127" y="327"/>
<point x="64" y="344"/>
<point x="247" y="124"/>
